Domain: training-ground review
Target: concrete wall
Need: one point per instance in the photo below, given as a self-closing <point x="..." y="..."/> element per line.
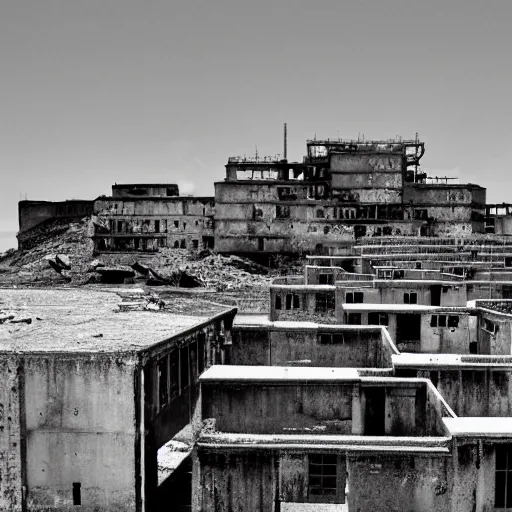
<point x="32" y="213"/>
<point x="234" y="482"/>
<point x="80" y="427"/>
<point x="474" y="476"/>
<point x="400" y="483"/>
<point x="279" y="409"/>
<point x="350" y="348"/>
<point x="12" y="439"/>
<point x="497" y="340"/>
<point x="334" y="408"/>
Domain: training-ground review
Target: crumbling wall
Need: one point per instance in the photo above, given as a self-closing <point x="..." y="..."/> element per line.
<point x="279" y="409"/>
<point x="12" y="436"/>
<point x="227" y="482"/>
<point x="474" y="479"/>
<point x="399" y="483"/>
<point x="31" y="213"/>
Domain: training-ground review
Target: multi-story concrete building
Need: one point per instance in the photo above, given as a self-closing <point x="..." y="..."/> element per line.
<point x="145" y="218"/>
<point x="89" y="394"/>
<point x="342" y="191"/>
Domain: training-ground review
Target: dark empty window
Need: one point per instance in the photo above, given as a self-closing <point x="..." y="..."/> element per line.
<point x="257" y="213"/>
<point x="453" y="321"/>
<point x="420" y="214"/>
<point x="174" y="368"/>
<point x="292" y="301"/>
<point x="439" y="321"/>
<point x="176" y="224"/>
<point x="201" y="346"/>
<point x="163" y="391"/>
<point x="320" y="214"/>
<point x="410" y="298"/>
<point x="323" y="475"/>
<point x="176" y="245"/>
<point x="354" y="318"/>
<point x="77" y="493"/>
<point x="354" y="297"/>
<point x="376" y="318"/>
<point x="183" y="368"/>
<point x="325" y="279"/>
<point x="473" y="347"/>
<point x="278" y="302"/>
<point x="157" y="226"/>
<point x="324" y="302"/>
<point x="282" y="212"/>
<point x="331" y="339"/>
<point x="503" y="484"/>
<point x="183" y="244"/>
<point x="195" y="244"/>
<point x="119" y="226"/>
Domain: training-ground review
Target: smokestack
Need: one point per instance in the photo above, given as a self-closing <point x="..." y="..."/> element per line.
<point x="285" y="153"/>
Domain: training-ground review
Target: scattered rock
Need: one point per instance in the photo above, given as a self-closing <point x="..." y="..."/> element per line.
<point x="63" y="260"/>
<point x="21" y="321"/>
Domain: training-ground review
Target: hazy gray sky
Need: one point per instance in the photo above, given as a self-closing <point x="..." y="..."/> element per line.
<point x="101" y="91"/>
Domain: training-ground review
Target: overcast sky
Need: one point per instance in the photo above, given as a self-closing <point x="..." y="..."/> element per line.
<point x="94" y="92"/>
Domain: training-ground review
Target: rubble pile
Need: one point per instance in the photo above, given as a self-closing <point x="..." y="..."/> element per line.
<point x="64" y="257"/>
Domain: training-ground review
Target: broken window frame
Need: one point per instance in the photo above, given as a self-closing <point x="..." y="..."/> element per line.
<point x="325" y="302"/>
<point x="378" y="318"/>
<point x="282" y="212"/>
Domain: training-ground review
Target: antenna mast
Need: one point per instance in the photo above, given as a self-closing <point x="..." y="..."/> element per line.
<point x="285" y="154"/>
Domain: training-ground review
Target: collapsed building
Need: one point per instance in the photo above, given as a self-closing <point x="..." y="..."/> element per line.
<point x="342" y="191"/>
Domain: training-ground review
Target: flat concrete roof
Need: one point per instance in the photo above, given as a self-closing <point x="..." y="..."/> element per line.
<point x="78" y="320"/>
<point x="278" y="373"/>
<point x="461" y="361"/>
<point x="479" y="426"/>
<point x="307" y="374"/>
<point x="405" y="308"/>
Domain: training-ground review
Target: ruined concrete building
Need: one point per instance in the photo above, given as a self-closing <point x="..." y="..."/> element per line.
<point x="343" y="190"/>
<point x="91" y="390"/>
<point x="409" y="413"/>
<point x="144" y="218"/>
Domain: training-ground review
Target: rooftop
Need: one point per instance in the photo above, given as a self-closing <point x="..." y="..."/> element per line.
<point x="479" y="426"/>
<point x="404" y="308"/>
<point x="307" y="374"/>
<point x="69" y="320"/>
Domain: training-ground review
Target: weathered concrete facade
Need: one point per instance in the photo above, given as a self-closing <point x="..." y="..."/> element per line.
<point x="146" y="224"/>
<point x="342" y="191"/>
<point x="84" y="409"/>
<point x="309" y="438"/>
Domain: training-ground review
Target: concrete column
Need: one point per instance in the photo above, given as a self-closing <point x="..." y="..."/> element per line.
<point x="357" y="411"/>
